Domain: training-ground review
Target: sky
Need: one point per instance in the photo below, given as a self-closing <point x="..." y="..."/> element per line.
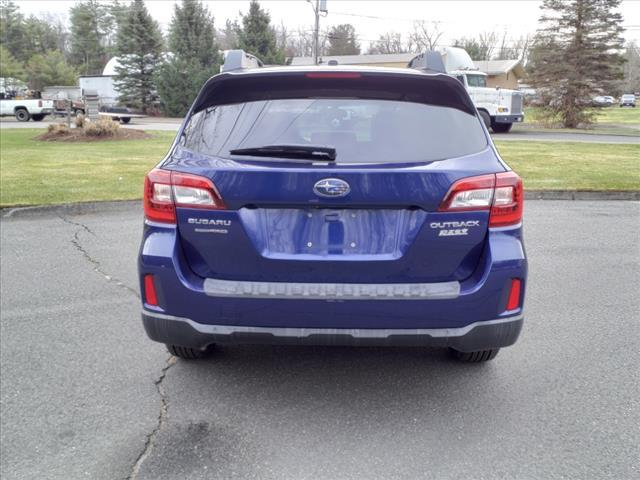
<point x="457" y="18"/>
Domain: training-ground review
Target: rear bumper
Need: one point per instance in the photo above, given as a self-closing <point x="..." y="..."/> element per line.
<point x="508" y="118"/>
<point x="466" y="315"/>
<point x="497" y="333"/>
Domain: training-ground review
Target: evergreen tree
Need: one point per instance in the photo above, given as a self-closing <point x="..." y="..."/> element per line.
<point x="228" y="36"/>
<point x="113" y="16"/>
<point x="49" y="69"/>
<point x="12" y="31"/>
<point x="258" y="37"/>
<point x="194" y="57"/>
<point x="343" y="40"/>
<point x="9" y="66"/>
<point x="576" y="56"/>
<point x="139" y="48"/>
<point x="191" y="33"/>
<point x="87" y="49"/>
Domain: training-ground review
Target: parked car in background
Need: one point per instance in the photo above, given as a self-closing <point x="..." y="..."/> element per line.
<point x="628" y="100"/>
<point x="603" y="101"/>
<point x="26" y="109"/>
<point x="340" y="205"/>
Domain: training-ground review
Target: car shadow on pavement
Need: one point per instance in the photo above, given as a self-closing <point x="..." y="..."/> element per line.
<point x="333" y="373"/>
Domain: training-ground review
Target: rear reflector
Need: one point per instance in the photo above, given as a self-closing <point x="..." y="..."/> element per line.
<point x="165" y="190"/>
<point x="150" y="296"/>
<point x="514" y="294"/>
<point x="501" y="194"/>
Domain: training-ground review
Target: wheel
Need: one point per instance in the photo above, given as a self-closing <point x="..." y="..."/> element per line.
<point x="78" y="111"/>
<point x="186" y="353"/>
<point x="125" y="119"/>
<point x="22" y="115"/>
<point x="501" y="127"/>
<point x="485" y="118"/>
<point x="36" y="117"/>
<point x="475" y="357"/>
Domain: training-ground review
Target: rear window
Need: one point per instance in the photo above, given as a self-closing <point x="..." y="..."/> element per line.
<point x="361" y="130"/>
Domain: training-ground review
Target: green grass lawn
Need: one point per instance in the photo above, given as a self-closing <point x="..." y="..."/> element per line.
<point x="574" y="166"/>
<point x="34" y="172"/>
<point x="37" y="173"/>
<point x="607" y="117"/>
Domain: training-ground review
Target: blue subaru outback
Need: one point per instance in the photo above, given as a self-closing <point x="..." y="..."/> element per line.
<point x="337" y="205"/>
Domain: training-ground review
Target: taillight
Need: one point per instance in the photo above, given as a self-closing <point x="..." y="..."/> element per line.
<point x="165" y="190"/>
<point x="40" y="103"/>
<point x="507" y="200"/>
<point x="501" y="194"/>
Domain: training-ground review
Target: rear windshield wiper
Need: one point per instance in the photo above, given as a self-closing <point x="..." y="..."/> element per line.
<point x="302" y="152"/>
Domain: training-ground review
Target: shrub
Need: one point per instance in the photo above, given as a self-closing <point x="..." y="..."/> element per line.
<point x="58" y="129"/>
<point x="105" y="127"/>
<point x="80" y="120"/>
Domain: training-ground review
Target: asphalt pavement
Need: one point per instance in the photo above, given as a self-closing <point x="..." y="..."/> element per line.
<point x="84" y="393"/>
<point x="517" y="134"/>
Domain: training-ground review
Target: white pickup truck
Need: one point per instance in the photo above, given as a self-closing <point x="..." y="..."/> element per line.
<point x="26" y="109"/>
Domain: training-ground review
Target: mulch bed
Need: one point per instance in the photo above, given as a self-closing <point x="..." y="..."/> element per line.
<point x="76" y="135"/>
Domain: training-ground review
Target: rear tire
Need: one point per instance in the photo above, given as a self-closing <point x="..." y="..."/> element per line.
<point x="22" y="115"/>
<point x="186" y="353"/>
<point x="125" y="119"/>
<point x="485" y="118"/>
<point x="36" y="117"/>
<point x="475" y="357"/>
<point x="501" y="127"/>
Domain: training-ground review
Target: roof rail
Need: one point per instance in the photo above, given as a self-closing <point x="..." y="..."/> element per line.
<point x="429" y="61"/>
<point x="238" y="60"/>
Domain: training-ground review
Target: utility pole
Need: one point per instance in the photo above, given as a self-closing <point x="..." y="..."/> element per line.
<point x="320" y="6"/>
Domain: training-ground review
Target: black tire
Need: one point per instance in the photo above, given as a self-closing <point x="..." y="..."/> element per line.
<point x="125" y="119"/>
<point x="186" y="353"/>
<point x="485" y="118"/>
<point x="22" y="115"/>
<point x="36" y="117"/>
<point x="475" y="357"/>
<point x="78" y="111"/>
<point x="501" y="127"/>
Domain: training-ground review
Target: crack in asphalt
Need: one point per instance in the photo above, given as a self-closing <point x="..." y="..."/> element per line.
<point x="97" y="267"/>
<point x="159" y="383"/>
<point x="162" y="417"/>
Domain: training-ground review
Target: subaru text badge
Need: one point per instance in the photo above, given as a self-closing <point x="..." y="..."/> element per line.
<point x="331" y="187"/>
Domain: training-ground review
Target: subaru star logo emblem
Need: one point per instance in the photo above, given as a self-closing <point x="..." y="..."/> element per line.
<point x="331" y="187"/>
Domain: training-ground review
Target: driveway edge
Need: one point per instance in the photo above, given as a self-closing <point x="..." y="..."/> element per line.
<point x="81" y="208"/>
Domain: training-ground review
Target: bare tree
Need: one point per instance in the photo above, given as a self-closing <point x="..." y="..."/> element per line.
<point x="488" y="42"/>
<point x="514" y="49"/>
<point x="425" y="35"/>
<point x="390" y="42"/>
<point x="631" y="69"/>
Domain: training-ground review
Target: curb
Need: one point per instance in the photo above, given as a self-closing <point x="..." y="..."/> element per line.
<point x="78" y="208"/>
<point x="582" y="195"/>
<point x="81" y="208"/>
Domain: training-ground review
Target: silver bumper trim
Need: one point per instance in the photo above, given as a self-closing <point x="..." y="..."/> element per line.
<point x="373" y="333"/>
<point x="332" y="291"/>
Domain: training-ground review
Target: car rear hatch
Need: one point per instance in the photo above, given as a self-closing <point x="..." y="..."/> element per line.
<point x="370" y="216"/>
